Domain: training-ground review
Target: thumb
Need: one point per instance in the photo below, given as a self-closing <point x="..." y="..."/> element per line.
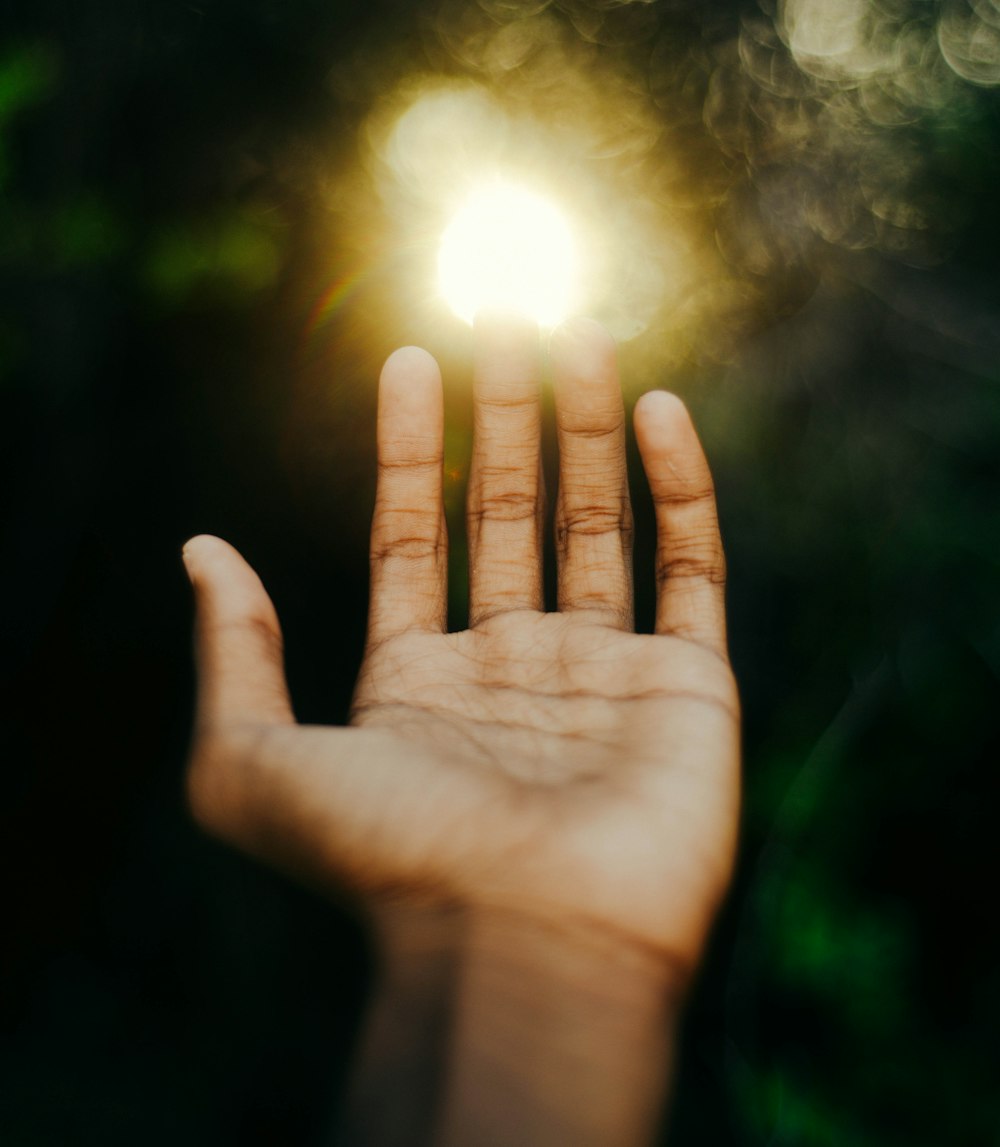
<point x="238" y="643"/>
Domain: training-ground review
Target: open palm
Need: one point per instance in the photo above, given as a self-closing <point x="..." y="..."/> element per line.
<point x="551" y="764"/>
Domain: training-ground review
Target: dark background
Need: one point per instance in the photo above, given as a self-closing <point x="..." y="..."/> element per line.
<point x="176" y="184"/>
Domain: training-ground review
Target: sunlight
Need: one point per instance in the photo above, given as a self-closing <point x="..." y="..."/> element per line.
<point x="510" y="249"/>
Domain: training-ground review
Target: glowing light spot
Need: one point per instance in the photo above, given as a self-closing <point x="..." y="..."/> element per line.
<point x="831" y="37"/>
<point x="969" y="38"/>
<point x="510" y="249"/>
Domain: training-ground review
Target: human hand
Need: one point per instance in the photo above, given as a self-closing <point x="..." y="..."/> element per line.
<point x="554" y="766"/>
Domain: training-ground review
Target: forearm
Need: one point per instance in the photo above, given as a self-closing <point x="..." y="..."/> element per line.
<point x="493" y="1030"/>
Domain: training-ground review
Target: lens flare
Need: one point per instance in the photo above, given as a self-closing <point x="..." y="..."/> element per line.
<point x="511" y="249"/>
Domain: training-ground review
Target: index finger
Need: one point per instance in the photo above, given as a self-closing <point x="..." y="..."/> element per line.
<point x="408" y="540"/>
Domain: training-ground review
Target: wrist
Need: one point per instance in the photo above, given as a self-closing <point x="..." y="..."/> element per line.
<point x="410" y="933"/>
<point x="548" y="1030"/>
<point x="563" y="1033"/>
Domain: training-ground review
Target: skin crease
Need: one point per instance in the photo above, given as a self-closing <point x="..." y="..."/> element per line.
<point x="555" y="769"/>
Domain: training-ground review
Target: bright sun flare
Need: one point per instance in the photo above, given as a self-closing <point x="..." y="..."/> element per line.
<point x="510" y="249"/>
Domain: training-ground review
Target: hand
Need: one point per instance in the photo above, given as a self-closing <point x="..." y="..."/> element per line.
<point x="539" y="812"/>
<point x="556" y="766"/>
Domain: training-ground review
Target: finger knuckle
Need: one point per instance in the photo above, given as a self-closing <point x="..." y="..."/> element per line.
<point x="700" y="561"/>
<point x="592" y="519"/>
<point x="257" y="630"/>
<point x="399" y="458"/>
<point x="517" y="395"/>
<point x="407" y="547"/>
<point x="510" y="505"/>
<point x="593" y="425"/>
<point x="700" y="494"/>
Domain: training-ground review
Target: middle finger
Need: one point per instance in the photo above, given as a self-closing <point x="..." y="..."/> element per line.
<point x="505" y="486"/>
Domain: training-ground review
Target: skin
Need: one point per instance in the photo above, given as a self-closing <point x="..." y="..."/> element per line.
<point x="539" y="812"/>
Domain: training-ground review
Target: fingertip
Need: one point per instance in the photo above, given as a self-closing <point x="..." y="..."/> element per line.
<point x="411" y="358"/>
<point x="582" y="348"/>
<point x="505" y="351"/>
<point x="662" y="407"/>
<point x="409" y="364"/>
<point x="662" y="420"/>
<point x="238" y="638"/>
<point x="222" y="578"/>
<point x="193" y="544"/>
<point x="582" y="328"/>
<point x="505" y="348"/>
<point x="503" y="323"/>
<point x="410" y="392"/>
<point x="204" y="550"/>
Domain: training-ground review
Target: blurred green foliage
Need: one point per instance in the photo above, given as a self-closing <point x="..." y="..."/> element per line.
<point x="27" y="75"/>
<point x="230" y="259"/>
